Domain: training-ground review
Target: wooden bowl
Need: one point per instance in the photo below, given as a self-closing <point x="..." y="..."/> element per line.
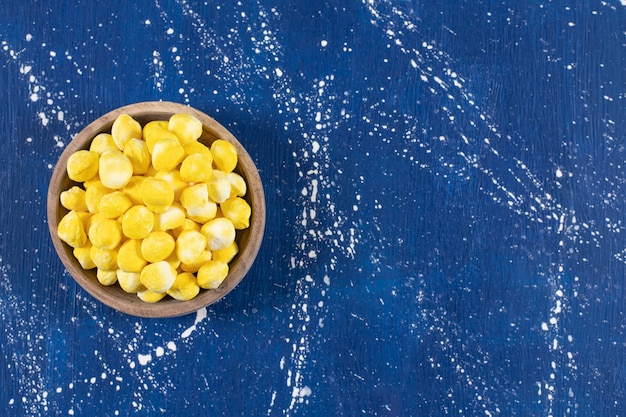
<point x="248" y="240"/>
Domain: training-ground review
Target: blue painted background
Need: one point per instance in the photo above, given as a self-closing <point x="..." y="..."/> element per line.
<point x="445" y="187"/>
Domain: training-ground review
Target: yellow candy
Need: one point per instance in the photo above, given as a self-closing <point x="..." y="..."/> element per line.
<point x="103" y="142"/>
<point x="124" y="129"/>
<point x="227" y="254"/>
<point x="187" y="127"/>
<point x="106" y="277"/>
<point x="129" y="281"/>
<point x="155" y="131"/>
<point x="195" y="201"/>
<point x="88" y="220"/>
<point x="196" y="167"/>
<point x="133" y="189"/>
<point x="219" y="233"/>
<point x="82" y="254"/>
<point x="238" y="187"/>
<point x="152" y="171"/>
<point x="74" y="199"/>
<point x="105" y="234"/>
<point x="171" y="218"/>
<point x="159" y="124"/>
<point x="202" y="258"/>
<point x="238" y="211"/>
<point x="157" y="246"/>
<point x="157" y="277"/>
<point x="218" y="186"/>
<point x="156" y="194"/>
<point x="224" y="155"/>
<point x="94" y="180"/>
<point x="85" y="217"/>
<point x="174" y="179"/>
<point x="115" y="169"/>
<point x="129" y="256"/>
<point x="103" y="259"/>
<point x="137" y="222"/>
<point x="197" y="147"/>
<point x="185" y="287"/>
<point x="189" y="245"/>
<point x="173" y="261"/>
<point x="167" y="154"/>
<point x="137" y="152"/>
<point x="212" y="274"/>
<point x="82" y="165"/>
<point x="71" y="230"/>
<point x="148" y="296"/>
<point x="114" y="204"/>
<point x="94" y="190"/>
<point x="188" y="224"/>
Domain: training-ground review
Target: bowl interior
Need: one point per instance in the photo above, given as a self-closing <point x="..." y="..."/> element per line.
<point x="248" y="240"/>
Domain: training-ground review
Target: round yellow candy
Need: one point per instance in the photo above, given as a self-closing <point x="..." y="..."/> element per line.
<point x="218" y="186"/>
<point x="148" y="296"/>
<point x="189" y="245"/>
<point x="94" y="190"/>
<point x="124" y="129"/>
<point x="194" y="266"/>
<point x="197" y="147"/>
<point x="219" y="233"/>
<point x="129" y="256"/>
<point x="227" y="254"/>
<point x="160" y="124"/>
<point x="238" y="211"/>
<point x="174" y="179"/>
<point x="196" y="167"/>
<point x="167" y="154"/>
<point x="238" y="186"/>
<point x="173" y="261"/>
<point x="114" y="204"/>
<point x="137" y="152"/>
<point x="155" y="131"/>
<point x="156" y="194"/>
<point x="171" y="218"/>
<point x="103" y="142"/>
<point x="185" y="126"/>
<point x="129" y="281"/>
<point x="157" y="246"/>
<point x="71" y="230"/>
<point x="185" y="287"/>
<point x="157" y="277"/>
<point x="105" y="234"/>
<point x="137" y="222"/>
<point x="115" y="169"/>
<point x="74" y="199"/>
<point x="106" y="277"/>
<point x="224" y="155"/>
<point x="195" y="201"/>
<point x="188" y="224"/>
<point x="82" y="254"/>
<point x="82" y="165"/>
<point x="103" y="259"/>
<point x="88" y="220"/>
<point x="133" y="189"/>
<point x="212" y="274"/>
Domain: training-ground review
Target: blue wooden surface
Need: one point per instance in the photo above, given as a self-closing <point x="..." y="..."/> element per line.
<point x="445" y="188"/>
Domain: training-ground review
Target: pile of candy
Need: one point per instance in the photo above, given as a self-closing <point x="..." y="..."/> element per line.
<point x="155" y="209"/>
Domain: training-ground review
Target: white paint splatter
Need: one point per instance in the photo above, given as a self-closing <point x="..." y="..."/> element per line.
<point x="200" y="316"/>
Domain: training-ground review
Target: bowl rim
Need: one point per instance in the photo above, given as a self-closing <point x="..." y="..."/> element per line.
<point x="114" y="296"/>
